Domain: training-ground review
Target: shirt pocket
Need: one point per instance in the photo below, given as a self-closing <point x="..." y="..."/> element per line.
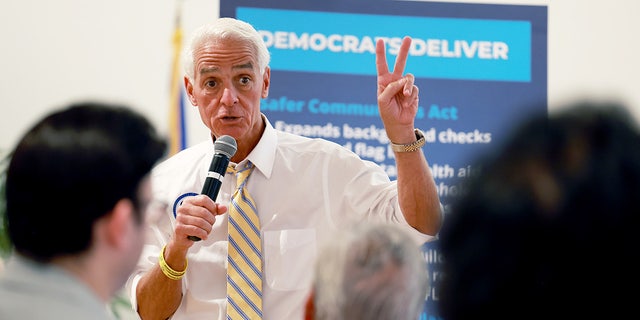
<point x="289" y="258"/>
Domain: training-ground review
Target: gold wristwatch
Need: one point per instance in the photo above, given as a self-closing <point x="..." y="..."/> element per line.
<point x="411" y="146"/>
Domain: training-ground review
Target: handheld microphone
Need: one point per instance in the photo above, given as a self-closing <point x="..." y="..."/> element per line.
<point x="224" y="148"/>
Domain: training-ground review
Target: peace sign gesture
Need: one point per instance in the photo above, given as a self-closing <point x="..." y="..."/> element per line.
<point x="397" y="95"/>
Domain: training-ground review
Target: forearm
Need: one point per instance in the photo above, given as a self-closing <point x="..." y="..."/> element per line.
<point x="417" y="193"/>
<point x="158" y="296"/>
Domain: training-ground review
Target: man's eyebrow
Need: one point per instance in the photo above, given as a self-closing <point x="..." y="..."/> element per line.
<point x="247" y="65"/>
<point x="208" y="70"/>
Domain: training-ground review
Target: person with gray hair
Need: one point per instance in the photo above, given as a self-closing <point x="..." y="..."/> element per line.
<point x="302" y="190"/>
<point x="374" y="271"/>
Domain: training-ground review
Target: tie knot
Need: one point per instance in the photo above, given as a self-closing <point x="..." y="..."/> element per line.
<point x="242" y="174"/>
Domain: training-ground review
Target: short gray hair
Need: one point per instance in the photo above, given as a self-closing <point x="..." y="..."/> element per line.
<point x="225" y="28"/>
<point x="371" y="271"/>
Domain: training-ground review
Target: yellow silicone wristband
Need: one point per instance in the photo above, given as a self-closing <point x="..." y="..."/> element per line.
<point x="167" y="270"/>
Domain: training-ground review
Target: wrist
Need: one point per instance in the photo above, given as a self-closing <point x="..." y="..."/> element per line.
<point x="412" y="146"/>
<point x="167" y="270"/>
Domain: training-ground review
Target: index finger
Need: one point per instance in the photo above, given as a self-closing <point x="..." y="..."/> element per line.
<point x="200" y="200"/>
<point x="401" y="59"/>
<point x="381" y="59"/>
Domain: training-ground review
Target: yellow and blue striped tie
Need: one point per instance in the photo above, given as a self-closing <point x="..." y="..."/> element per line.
<point x="244" y="269"/>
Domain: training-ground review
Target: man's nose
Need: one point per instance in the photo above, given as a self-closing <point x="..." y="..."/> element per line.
<point x="229" y="96"/>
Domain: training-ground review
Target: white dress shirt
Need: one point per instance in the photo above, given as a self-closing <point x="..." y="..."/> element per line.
<point x="304" y="190"/>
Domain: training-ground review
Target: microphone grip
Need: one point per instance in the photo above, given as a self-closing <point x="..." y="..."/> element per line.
<point x="213" y="182"/>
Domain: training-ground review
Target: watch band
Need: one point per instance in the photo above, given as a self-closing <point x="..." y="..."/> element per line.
<point x="411" y="146"/>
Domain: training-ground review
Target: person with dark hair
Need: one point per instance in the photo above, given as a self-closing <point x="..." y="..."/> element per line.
<point x="547" y="229"/>
<point x="299" y="190"/>
<point x="77" y="188"/>
<point x="370" y="271"/>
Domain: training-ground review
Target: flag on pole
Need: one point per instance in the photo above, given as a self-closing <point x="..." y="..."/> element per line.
<point x="177" y="132"/>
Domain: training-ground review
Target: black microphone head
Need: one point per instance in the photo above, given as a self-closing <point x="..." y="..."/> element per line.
<point x="226" y="145"/>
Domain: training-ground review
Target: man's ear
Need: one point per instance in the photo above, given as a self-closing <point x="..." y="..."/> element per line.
<point x="119" y="223"/>
<point x="188" y="87"/>
<point x="266" y="81"/>
<point x="309" y="308"/>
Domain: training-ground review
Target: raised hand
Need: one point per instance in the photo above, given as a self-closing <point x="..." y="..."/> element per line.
<point x="397" y="95"/>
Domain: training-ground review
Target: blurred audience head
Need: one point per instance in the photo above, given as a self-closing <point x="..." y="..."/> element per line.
<point x="371" y="271"/>
<point x="77" y="186"/>
<point x="547" y="228"/>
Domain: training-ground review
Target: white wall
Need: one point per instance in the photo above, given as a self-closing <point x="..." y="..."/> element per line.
<point x="55" y="52"/>
<point x="59" y="51"/>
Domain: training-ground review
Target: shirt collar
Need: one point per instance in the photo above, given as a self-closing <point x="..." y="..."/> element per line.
<point x="264" y="154"/>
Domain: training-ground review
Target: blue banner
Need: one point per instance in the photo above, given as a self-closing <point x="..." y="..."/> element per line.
<point x="448" y="48"/>
<point x="480" y="69"/>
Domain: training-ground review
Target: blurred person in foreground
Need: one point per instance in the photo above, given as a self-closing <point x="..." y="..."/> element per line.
<point x="548" y="228"/>
<point x="304" y="189"/>
<point x="77" y="187"/>
<point x="372" y="271"/>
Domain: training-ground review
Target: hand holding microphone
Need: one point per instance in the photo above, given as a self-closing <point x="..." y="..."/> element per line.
<point x="224" y="148"/>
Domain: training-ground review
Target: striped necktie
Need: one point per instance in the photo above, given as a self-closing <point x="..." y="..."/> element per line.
<point x="244" y="268"/>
